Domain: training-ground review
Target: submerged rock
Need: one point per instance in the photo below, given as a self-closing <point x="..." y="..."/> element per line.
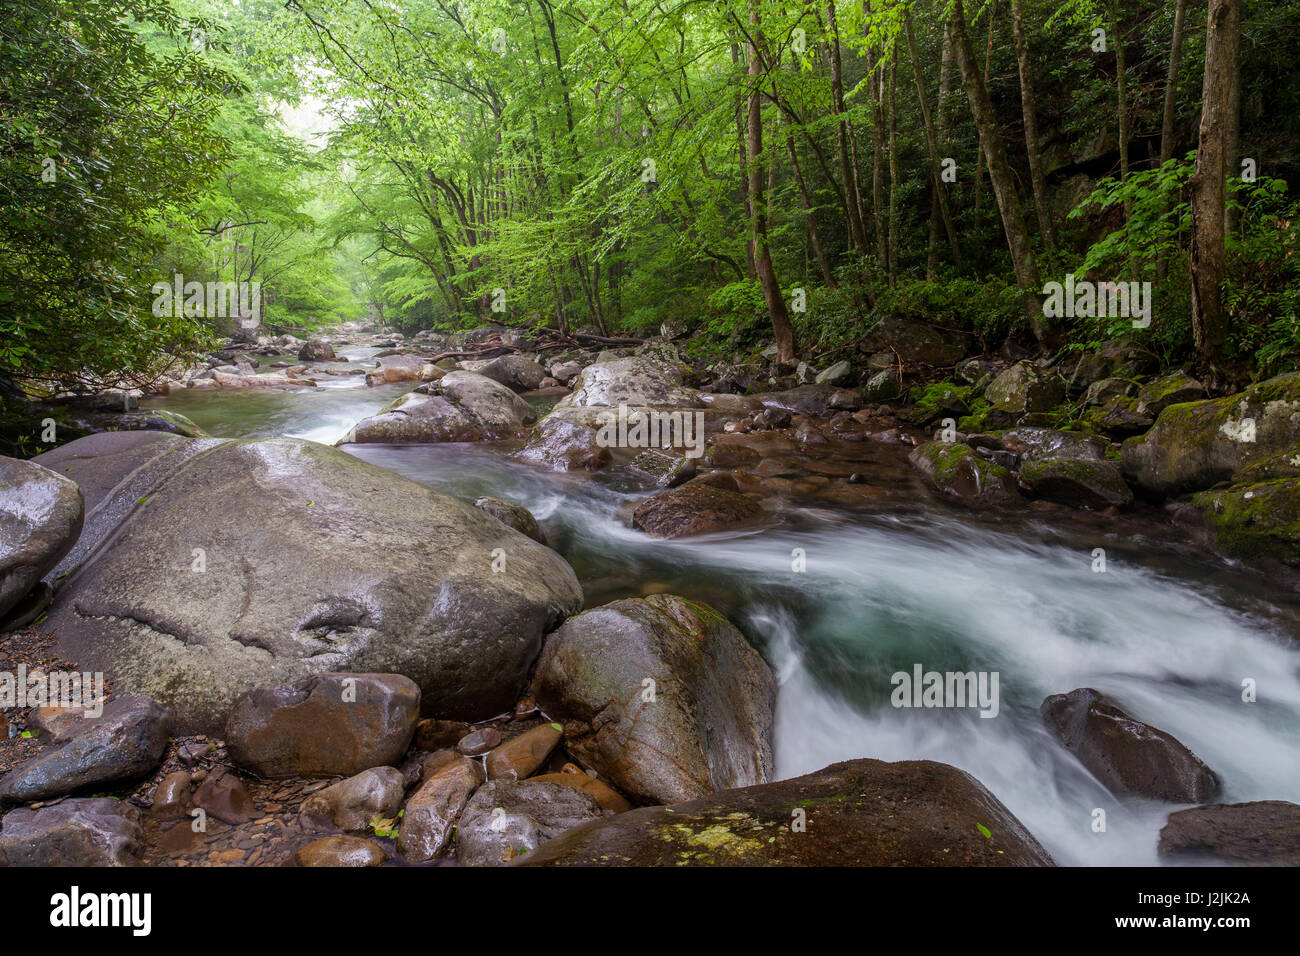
<point x="857" y="813"/>
<point x="703" y="722"/>
<point x="1262" y="833"/>
<point x="696" y="508"/>
<point x="340" y="851"/>
<point x="312" y="561"/>
<point x="1126" y="755"/>
<point x="41" y="514"/>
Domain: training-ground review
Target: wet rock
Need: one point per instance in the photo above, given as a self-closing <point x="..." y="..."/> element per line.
<point x="125" y="742"/>
<point x="562" y="445"/>
<point x="1025" y="388"/>
<point x="1195" y="445"/>
<point x="172" y="796"/>
<point x="835" y="374"/>
<point x="1106" y="390"/>
<point x="512" y="516"/>
<point x="515" y="371"/>
<point x="1118" y="419"/>
<point x="280" y="597"/>
<point x="857" y="813"/>
<point x="396" y="368"/>
<point x="702" y="723"/>
<point x="1040" y="443"/>
<point x="340" y="851"/>
<point x="40" y="518"/>
<point x="351" y="804"/>
<point x="223" y="795"/>
<point x="431" y="813"/>
<point x="316" y="349"/>
<point x="695" y="508"/>
<point x="520" y="756"/>
<point x="1262" y="833"/>
<point x="666" y="468"/>
<point x="324" y="725"/>
<point x="90" y="831"/>
<point x="479" y="741"/>
<point x="505" y="820"/>
<point x="605" y="795"/>
<point x="814" y="401"/>
<point x="564" y="372"/>
<point x="1254" y="520"/>
<point x="884" y="386"/>
<point x="1126" y="755"/>
<point x="1173" y="389"/>
<point x="958" y="473"/>
<point x="1077" y="482"/>
<point x="461" y="406"/>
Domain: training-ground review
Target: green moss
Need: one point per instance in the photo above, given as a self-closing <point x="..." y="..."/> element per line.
<point x="1256" y="520"/>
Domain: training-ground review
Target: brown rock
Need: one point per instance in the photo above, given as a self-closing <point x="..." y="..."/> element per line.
<point x="433" y="809"/>
<point x="224" y="796"/>
<point x="1263" y="833"/>
<point x="340" y="851"/>
<point x="479" y="741"/>
<point x="433" y="734"/>
<point x="597" y="789"/>
<point x="520" y="756"/>
<point x="171" y="795"/>
<point x="352" y="803"/>
<point x="695" y="508"/>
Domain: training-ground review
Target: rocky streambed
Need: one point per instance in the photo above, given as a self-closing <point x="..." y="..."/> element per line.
<point x="474" y="632"/>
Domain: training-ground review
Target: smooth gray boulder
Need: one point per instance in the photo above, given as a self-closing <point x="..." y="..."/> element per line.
<point x="40" y="518"/>
<point x="505" y="819"/>
<point x="512" y="516"/>
<point x="514" y="371"/>
<point x="90" y="831"/>
<point x="265" y="561"/>
<point x="461" y="406"/>
<point x="703" y="724"/>
<point x="125" y="742"/>
<point x="351" y="804"/>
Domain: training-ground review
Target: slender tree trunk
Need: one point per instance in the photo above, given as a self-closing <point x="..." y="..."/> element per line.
<point x="1121" y="90"/>
<point x="876" y="87"/>
<point x="939" y="188"/>
<point x="1232" y="158"/>
<point x="1208" y="186"/>
<point x="1001" y="176"/>
<point x="1171" y="105"/>
<point x="742" y="145"/>
<point x="1029" y="108"/>
<point x="932" y="144"/>
<point x="981" y="155"/>
<point x="848" y="173"/>
<point x="782" y="331"/>
<point x="893" y="169"/>
<point x="805" y="200"/>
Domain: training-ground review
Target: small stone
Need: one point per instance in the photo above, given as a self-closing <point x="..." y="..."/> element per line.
<point x="479" y="742"/>
<point x="594" y="787"/>
<point x="517" y="758"/>
<point x="525" y="707"/>
<point x="170" y="796"/>
<point x="432" y="811"/>
<point x="224" y="796"/>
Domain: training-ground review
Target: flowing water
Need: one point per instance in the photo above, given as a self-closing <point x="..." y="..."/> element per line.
<point x="1168" y="632"/>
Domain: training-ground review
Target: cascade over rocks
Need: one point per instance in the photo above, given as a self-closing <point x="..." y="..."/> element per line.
<point x="282" y="527"/>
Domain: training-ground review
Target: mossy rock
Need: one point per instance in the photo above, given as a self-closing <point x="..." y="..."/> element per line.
<point x="1173" y="389"/>
<point x="958" y="473"/>
<point x="1077" y="482"/>
<point x="940" y="400"/>
<point x="1260" y="520"/>
<point x="1026" y="388"/>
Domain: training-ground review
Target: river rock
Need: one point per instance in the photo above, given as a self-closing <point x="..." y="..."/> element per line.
<point x="916" y="342"/>
<point x="834" y="374"/>
<point x="323" y="725"/>
<point x="431" y="813"/>
<point x="709" y="725"/>
<point x="884" y="386"/>
<point x="1077" y="482"/>
<point x="1254" y="520"/>
<point x="351" y="804"/>
<point x="316" y="349"/>
<point x="696" y="508"/>
<point x="340" y="851"/>
<point x="609" y="798"/>
<point x="461" y="406"/>
<point x="40" y="517"/>
<point x="1263" y="833"/>
<point x="562" y="445"/>
<point x="125" y="742"/>
<point x="1040" y="443"/>
<point x="1173" y="389"/>
<point x="857" y="813"/>
<point x="815" y="401"/>
<point x="283" y="526"/>
<point x="506" y="819"/>
<point x="89" y="831"/>
<point x="223" y="795"/>
<point x="171" y="796"/>
<point x="479" y="742"/>
<point x="512" y="516"/>
<point x="1126" y="755"/>
<point x="396" y="368"/>
<point x="435" y="734"/>
<point x="1195" y="445"/>
<point x="516" y="372"/>
<point x="519" y="757"/>
<point x="1024" y="389"/>
<point x="958" y="473"/>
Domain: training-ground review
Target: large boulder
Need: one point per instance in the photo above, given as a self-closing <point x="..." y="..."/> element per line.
<point x="697" y="507"/>
<point x="515" y="371"/>
<point x="661" y="696"/>
<point x="40" y="517"/>
<point x="1263" y="833"/>
<point x="1077" y="482"/>
<point x="1254" y="520"/>
<point x="506" y="819"/>
<point x="959" y="474"/>
<point x="558" y="444"/>
<point x="857" y="813"/>
<point x="255" y="562"/>
<point x="1195" y="445"/>
<point x="1126" y="755"/>
<point x="316" y="349"/>
<point x="86" y="831"/>
<point x="1024" y="389"/>
<point x="125" y="742"/>
<point x="1172" y="389"/>
<point x="917" y="343"/>
<point x="461" y="406"/>
<point x="324" y="725"/>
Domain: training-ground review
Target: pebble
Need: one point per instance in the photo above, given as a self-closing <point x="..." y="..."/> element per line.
<point x="479" y="742"/>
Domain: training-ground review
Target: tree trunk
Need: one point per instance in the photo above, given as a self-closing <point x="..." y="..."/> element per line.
<point x="814" y="236"/>
<point x="981" y="156"/>
<point x="1209" y="188"/>
<point x="848" y="173"/>
<point x="1029" y="108"/>
<point x="1001" y="176"/>
<point x="782" y="331"/>
<point x="936" y="211"/>
<point x="940" y="210"/>
<point x="875" y="87"/>
<point x="893" y="169"/>
<point x="1171" y="105"/>
<point x="1121" y="90"/>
